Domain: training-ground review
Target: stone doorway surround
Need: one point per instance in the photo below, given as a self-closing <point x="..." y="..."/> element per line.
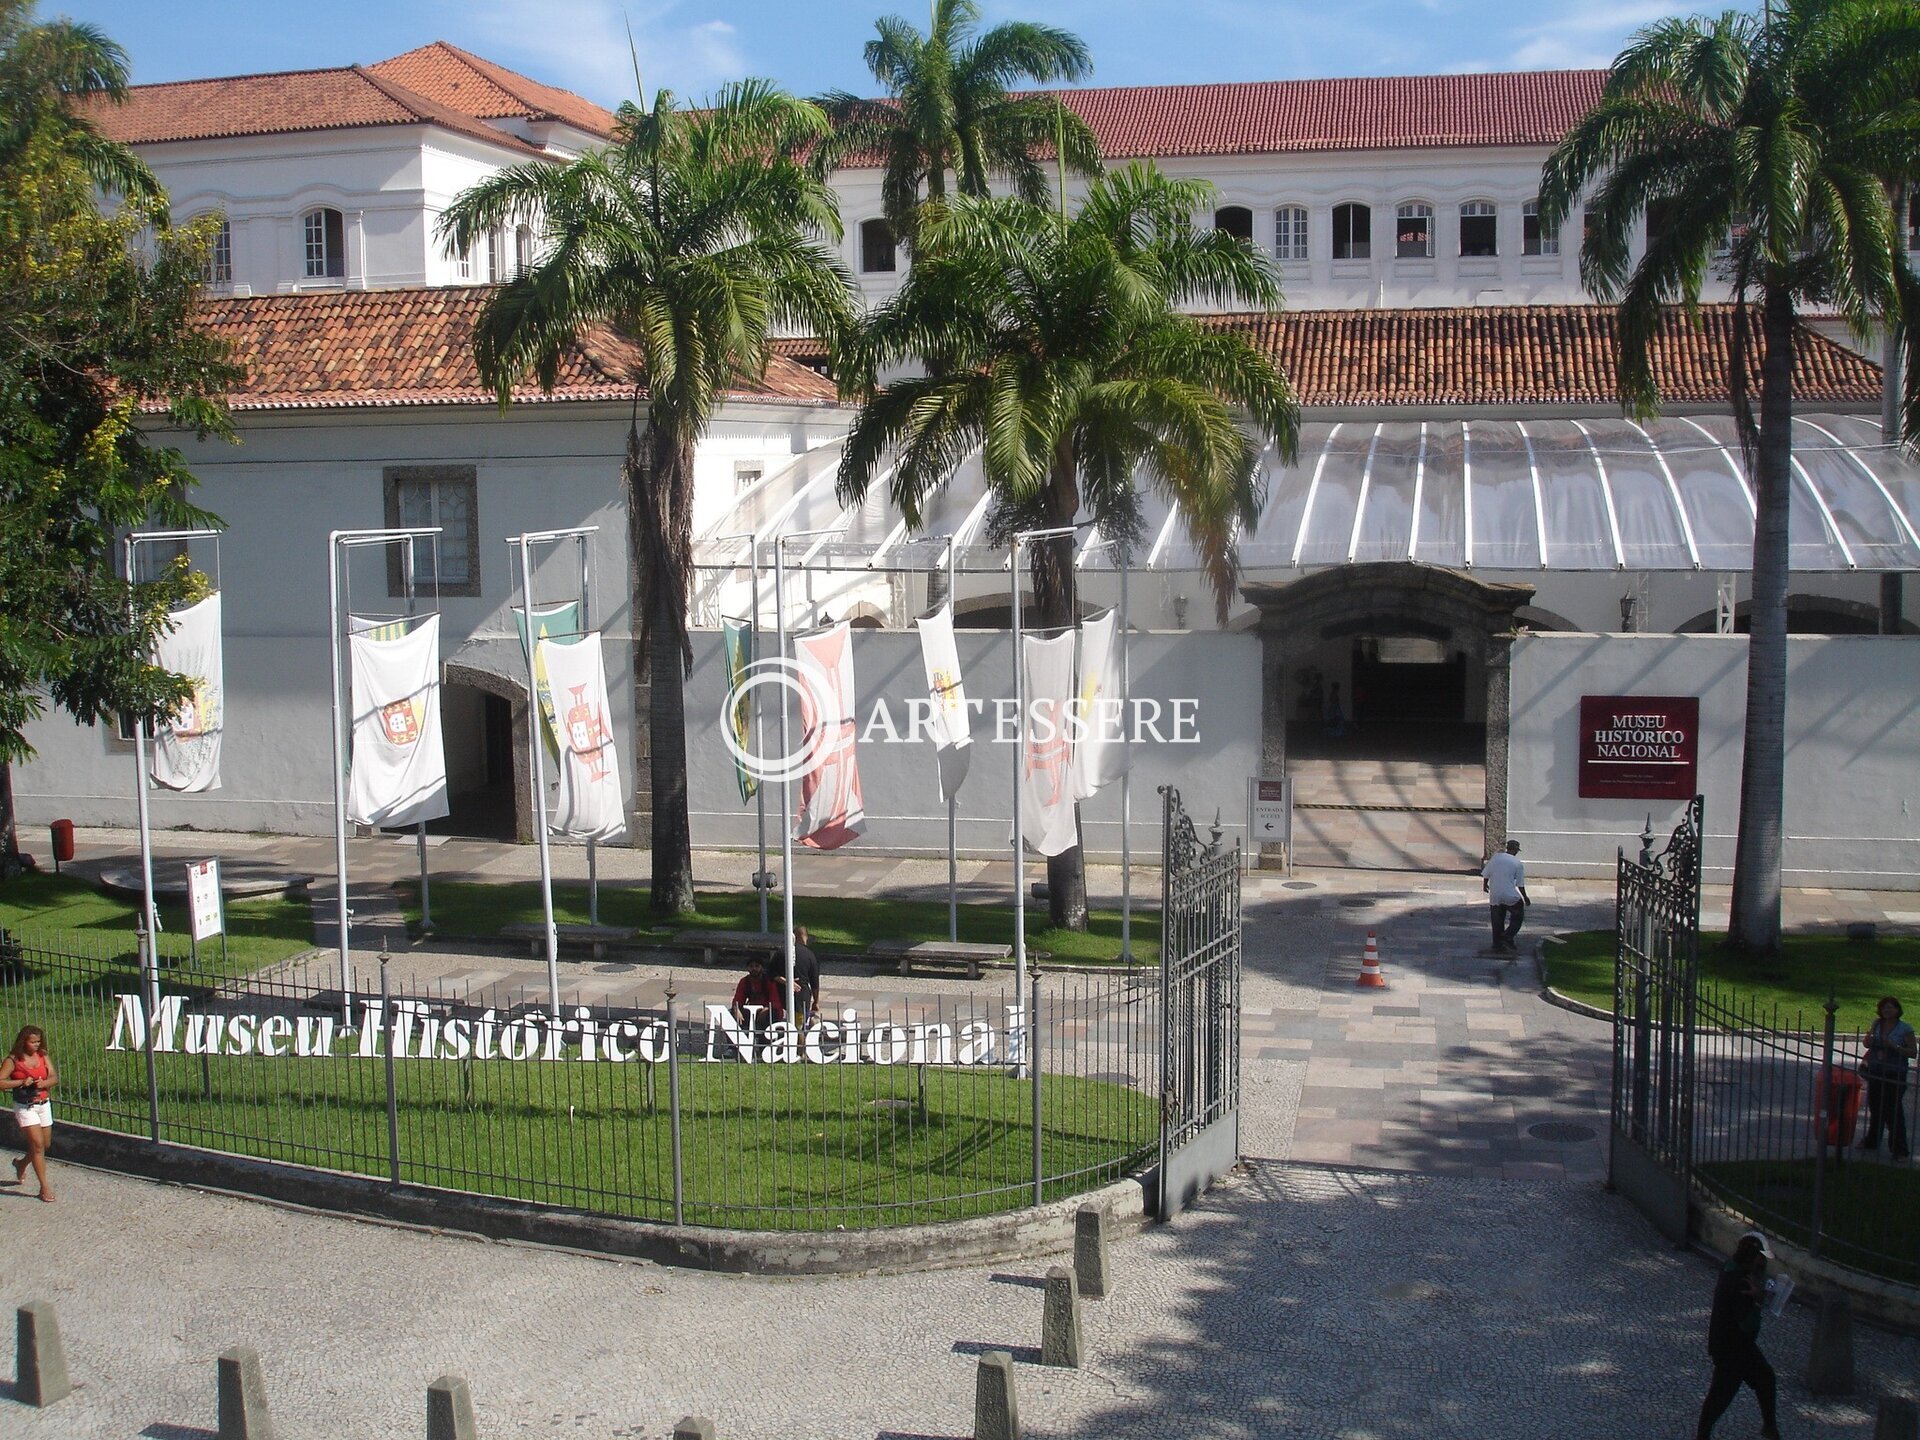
<point x="1391" y="598"/>
<point x="456" y="672"/>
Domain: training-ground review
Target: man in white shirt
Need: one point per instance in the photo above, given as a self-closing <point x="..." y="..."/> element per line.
<point x="1505" y="881"/>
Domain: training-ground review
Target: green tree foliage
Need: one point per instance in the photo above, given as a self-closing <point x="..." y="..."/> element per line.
<point x="1776" y="137"/>
<point x="1055" y="345"/>
<point x="694" y="234"/>
<point x="948" y="109"/>
<point x="95" y="332"/>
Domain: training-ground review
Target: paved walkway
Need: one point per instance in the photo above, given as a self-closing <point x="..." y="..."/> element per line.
<point x="1401" y="1257"/>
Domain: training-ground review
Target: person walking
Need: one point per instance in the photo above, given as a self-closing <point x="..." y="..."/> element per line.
<point x="29" y="1072"/>
<point x="1889" y="1048"/>
<point x="1733" y="1338"/>
<point x="1505" y="880"/>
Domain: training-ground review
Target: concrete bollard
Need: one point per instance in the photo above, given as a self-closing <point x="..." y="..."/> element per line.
<point x="450" y="1410"/>
<point x="243" y="1397"/>
<point x="1898" y="1420"/>
<point x="693" y="1427"/>
<point x="1060" y="1322"/>
<point x="996" y="1410"/>
<point x="1830" y="1358"/>
<point x="1090" y="1252"/>
<point x="40" y="1360"/>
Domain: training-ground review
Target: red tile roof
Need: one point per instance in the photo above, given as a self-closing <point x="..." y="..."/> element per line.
<point x="1523" y="355"/>
<point x="353" y="349"/>
<point x="1371" y="113"/>
<point x="295" y="100"/>
<point x="463" y="81"/>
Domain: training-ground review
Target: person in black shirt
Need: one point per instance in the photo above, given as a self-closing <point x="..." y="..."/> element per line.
<point x="806" y="978"/>
<point x="1733" y="1337"/>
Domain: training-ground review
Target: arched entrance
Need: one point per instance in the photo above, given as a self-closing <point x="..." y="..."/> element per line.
<point x="484" y="719"/>
<point x="1385" y="700"/>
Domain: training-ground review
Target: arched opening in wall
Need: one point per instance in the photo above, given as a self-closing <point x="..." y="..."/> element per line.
<point x="1533" y="617"/>
<point x="990" y="613"/>
<point x="1386" y="704"/>
<point x="483" y="722"/>
<point x="1806" y="615"/>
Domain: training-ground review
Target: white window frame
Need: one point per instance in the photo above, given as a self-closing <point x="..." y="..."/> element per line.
<point x="496" y="253"/>
<point x="1412" y="210"/>
<point x="1359" y="207"/>
<point x="320" y="262"/>
<point x="522" y="250"/>
<point x="1479" y="210"/>
<point x="1246" y="210"/>
<point x="1546" y="238"/>
<point x="1290" y="247"/>
<point x="892" y="267"/>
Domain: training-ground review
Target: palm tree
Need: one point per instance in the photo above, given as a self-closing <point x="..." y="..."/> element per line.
<point x="948" y="108"/>
<point x="1056" y="346"/>
<point x="694" y="234"/>
<point x="1778" y="134"/>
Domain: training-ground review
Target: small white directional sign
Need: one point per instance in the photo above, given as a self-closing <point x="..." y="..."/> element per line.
<point x="1270" y="813"/>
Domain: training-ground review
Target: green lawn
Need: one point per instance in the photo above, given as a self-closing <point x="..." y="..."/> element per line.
<point x="1859" y="974"/>
<point x="1866" y="1210"/>
<point x="481" y="910"/>
<point x="764" y="1147"/>
<point x="260" y="932"/>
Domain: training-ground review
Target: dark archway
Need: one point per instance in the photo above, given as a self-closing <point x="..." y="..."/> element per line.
<point x="1452" y="627"/>
<point x="498" y="805"/>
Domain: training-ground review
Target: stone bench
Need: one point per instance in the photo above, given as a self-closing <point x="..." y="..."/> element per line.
<point x="598" y="936"/>
<point x="741" y="944"/>
<point x="910" y="955"/>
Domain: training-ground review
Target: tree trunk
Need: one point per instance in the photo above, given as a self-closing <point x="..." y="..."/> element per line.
<point x="658" y="474"/>
<point x="1755" y="917"/>
<point x="1053" y="603"/>
<point x="9" y="837"/>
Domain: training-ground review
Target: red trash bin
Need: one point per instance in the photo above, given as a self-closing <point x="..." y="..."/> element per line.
<point x="1836" y="1101"/>
<point x="62" y="841"/>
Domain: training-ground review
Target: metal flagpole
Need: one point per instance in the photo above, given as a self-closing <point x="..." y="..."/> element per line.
<point x="338" y="543"/>
<point x="786" y="776"/>
<point x="1017" y="1044"/>
<point x="536" y="721"/>
<point x="1126" y="774"/>
<point x="953" y="800"/>
<point x="586" y="628"/>
<point x="149" y="910"/>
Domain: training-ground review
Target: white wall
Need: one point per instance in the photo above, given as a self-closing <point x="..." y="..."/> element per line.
<point x="1853" y="752"/>
<point x="1509" y="176"/>
<point x="902" y="796"/>
<point x="294" y="478"/>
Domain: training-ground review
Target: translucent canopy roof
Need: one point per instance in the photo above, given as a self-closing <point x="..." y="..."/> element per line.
<point x="1672" y="494"/>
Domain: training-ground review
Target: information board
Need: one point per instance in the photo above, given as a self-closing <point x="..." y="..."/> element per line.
<point x="203" y="899"/>
<point x="1270" y="814"/>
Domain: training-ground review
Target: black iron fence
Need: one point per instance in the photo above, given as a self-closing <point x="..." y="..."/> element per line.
<point x="1768" y="1113"/>
<point x="1781" y="1117"/>
<point x="662" y="1109"/>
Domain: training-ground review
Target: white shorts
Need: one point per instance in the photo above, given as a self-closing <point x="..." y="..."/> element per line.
<point x="40" y="1114"/>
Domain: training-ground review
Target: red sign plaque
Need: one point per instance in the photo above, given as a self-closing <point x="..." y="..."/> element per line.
<point x="1639" y="747"/>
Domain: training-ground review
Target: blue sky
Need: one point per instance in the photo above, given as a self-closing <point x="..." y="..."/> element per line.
<point x="812" y="45"/>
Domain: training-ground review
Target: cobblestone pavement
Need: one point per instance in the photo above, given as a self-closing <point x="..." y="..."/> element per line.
<point x="1398" y="1258"/>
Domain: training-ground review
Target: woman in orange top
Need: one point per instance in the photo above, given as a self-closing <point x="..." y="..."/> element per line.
<point x="29" y="1073"/>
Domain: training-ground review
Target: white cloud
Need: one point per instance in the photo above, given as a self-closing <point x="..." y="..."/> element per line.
<point x="1583" y="38"/>
<point x="582" y="45"/>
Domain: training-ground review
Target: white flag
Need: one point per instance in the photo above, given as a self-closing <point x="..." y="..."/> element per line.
<point x="186" y="748"/>
<point x="1046" y="751"/>
<point x="831" y="809"/>
<point x="399" y="772"/>
<point x="952" y="726"/>
<point x="1100" y="750"/>
<point x="591" y="803"/>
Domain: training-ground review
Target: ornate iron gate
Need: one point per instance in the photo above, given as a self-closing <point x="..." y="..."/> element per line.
<point x="1655" y="994"/>
<point x="1199" y="1006"/>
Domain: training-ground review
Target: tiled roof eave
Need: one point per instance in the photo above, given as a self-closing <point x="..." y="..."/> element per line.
<point x="415" y="400"/>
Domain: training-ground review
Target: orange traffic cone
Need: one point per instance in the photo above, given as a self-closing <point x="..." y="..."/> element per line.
<point x="1370" y="976"/>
